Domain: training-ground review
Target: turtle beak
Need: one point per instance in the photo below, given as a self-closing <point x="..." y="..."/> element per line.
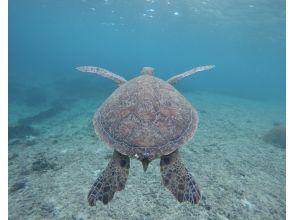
<point x="145" y="163"/>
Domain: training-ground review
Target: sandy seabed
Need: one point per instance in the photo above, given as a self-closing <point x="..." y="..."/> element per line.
<point x="240" y="175"/>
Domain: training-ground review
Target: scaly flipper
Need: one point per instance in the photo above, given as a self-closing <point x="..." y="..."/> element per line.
<point x="178" y="180"/>
<point x="176" y="78"/>
<point x="111" y="180"/>
<point x="103" y="72"/>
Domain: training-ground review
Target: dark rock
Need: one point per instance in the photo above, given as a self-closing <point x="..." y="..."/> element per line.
<point x="17" y="186"/>
<point x="57" y="167"/>
<point x="21" y="131"/>
<point x="276" y="123"/>
<point x="273" y="211"/>
<point x="24" y="172"/>
<point x="13" y="142"/>
<point x="239" y="193"/>
<point x="42" y="164"/>
<point x="76" y="218"/>
<point x="47" y="208"/>
<point x="73" y="217"/>
<point x="207" y="207"/>
<point x="13" y="156"/>
<point x="207" y="150"/>
<point x="31" y="142"/>
<point x="241" y="173"/>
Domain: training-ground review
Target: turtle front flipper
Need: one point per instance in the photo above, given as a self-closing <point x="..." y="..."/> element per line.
<point x="173" y="80"/>
<point x="178" y="180"/>
<point x="111" y="180"/>
<point x="103" y="72"/>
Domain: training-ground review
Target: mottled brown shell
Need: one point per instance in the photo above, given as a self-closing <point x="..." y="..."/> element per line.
<point x="145" y="117"/>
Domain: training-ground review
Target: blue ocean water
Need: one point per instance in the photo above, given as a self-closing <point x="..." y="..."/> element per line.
<point x="245" y="39"/>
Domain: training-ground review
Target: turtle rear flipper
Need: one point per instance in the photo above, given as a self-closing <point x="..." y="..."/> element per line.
<point x="103" y="72"/>
<point x="111" y="180"/>
<point x="178" y="180"/>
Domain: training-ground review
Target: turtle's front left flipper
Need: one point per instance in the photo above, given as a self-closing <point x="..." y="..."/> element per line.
<point x="178" y="180"/>
<point x="111" y="180"/>
<point x="103" y="72"/>
<point x="173" y="80"/>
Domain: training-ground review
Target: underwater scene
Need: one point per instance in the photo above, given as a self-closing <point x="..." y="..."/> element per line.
<point x="147" y="109"/>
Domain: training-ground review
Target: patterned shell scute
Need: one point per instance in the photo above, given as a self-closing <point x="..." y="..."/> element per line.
<point x="146" y="118"/>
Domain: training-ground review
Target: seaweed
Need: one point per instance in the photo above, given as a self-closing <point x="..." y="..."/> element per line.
<point x="276" y="136"/>
<point x="42" y="163"/>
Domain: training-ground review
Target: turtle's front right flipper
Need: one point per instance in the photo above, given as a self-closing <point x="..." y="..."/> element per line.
<point x="178" y="180"/>
<point x="103" y="72"/>
<point x="173" y="80"/>
<point x="111" y="180"/>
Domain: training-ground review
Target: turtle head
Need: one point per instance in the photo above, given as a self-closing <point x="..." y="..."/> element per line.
<point x="147" y="71"/>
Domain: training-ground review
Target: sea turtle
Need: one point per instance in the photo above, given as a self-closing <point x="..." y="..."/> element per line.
<point x="145" y="118"/>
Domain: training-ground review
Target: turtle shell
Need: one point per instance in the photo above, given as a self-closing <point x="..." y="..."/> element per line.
<point x="145" y="118"/>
